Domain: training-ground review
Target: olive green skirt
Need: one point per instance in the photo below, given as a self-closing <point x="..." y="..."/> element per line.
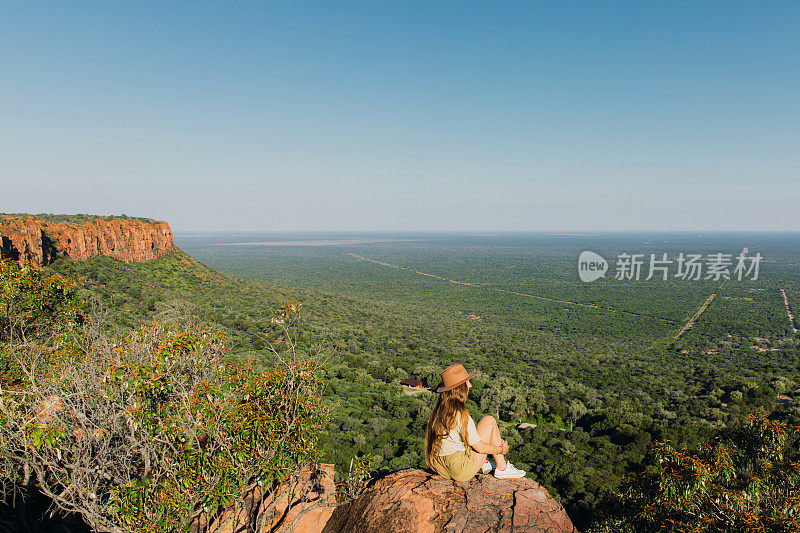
<point x="458" y="466"/>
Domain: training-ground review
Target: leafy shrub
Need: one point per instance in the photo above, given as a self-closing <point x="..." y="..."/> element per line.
<point x="745" y="481"/>
<point x="149" y="431"/>
<point x="35" y="309"/>
<point x="357" y="477"/>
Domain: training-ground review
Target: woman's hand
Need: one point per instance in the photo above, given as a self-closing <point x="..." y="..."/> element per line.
<point x="491" y="449"/>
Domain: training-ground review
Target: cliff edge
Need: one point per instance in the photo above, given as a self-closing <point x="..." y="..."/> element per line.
<point x="42" y="240"/>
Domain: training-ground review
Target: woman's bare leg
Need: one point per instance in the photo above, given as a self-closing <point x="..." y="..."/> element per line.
<point x="490" y="432"/>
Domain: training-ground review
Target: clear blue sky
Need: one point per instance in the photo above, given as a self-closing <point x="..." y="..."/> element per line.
<point x="405" y="115"/>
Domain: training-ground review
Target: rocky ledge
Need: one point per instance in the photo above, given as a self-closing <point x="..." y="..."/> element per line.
<point x="408" y="501"/>
<point x="417" y="501"/>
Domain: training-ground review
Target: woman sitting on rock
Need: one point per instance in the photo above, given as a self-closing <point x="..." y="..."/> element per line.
<point x="454" y="446"/>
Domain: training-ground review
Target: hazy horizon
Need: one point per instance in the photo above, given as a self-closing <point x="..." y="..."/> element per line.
<point x="484" y="233"/>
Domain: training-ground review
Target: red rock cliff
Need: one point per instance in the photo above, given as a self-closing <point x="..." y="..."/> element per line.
<point x="28" y="239"/>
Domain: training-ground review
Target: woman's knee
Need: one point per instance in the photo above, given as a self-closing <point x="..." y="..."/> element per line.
<point x="487" y="428"/>
<point x="488" y="420"/>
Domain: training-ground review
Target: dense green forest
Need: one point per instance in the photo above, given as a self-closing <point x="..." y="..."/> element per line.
<point x="601" y="383"/>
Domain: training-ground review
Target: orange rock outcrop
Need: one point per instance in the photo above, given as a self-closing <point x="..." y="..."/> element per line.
<point x="31" y="240"/>
<point x="415" y="501"/>
<point x="303" y="503"/>
<point x="408" y="501"/>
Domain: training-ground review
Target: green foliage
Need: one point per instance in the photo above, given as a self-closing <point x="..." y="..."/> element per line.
<point x="240" y="426"/>
<point x="150" y="431"/>
<point x="745" y="480"/>
<point x="35" y="307"/>
<point x="360" y="471"/>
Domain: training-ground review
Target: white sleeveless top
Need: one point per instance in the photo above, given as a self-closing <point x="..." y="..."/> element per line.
<point x="452" y="442"/>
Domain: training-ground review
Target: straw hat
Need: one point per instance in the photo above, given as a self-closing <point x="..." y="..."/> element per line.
<point x="453" y="376"/>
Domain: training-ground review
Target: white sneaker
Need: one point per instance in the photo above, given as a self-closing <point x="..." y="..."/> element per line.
<point x="487" y="467"/>
<point x="509" y="473"/>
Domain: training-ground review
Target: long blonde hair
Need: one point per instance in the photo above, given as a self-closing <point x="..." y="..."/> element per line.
<point x="450" y="404"/>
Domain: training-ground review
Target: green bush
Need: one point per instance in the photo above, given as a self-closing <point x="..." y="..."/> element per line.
<point x="152" y="430"/>
<point x="35" y="306"/>
<point x="744" y="481"/>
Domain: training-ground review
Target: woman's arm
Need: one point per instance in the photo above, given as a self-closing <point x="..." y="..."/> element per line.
<point x="491" y="449"/>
